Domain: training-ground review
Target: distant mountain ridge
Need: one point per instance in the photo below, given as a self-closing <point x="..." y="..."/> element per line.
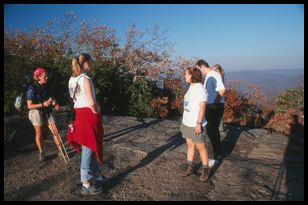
<point x="272" y="82"/>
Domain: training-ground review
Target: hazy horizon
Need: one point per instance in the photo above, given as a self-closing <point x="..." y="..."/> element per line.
<point x="269" y="69"/>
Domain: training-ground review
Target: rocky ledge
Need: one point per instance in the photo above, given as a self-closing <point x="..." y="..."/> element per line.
<point x="143" y="158"/>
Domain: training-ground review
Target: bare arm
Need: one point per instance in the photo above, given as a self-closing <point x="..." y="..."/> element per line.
<point x="200" y="117"/>
<point x="90" y="98"/>
<point x="31" y="105"/>
<point x="201" y="111"/>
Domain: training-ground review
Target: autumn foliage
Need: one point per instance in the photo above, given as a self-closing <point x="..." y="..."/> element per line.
<point x="245" y="104"/>
<point x="127" y="74"/>
<point x="233" y="103"/>
<point x="160" y="105"/>
<point x="289" y="112"/>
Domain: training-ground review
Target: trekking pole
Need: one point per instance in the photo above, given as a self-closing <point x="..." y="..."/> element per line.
<point x="57" y="135"/>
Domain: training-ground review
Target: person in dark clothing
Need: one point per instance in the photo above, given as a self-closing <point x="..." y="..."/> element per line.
<point x="215" y="90"/>
<point x="40" y="99"/>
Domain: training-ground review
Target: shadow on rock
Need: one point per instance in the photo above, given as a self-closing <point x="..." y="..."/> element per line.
<point x="293" y="166"/>
<point x="119" y="133"/>
<point x="171" y="144"/>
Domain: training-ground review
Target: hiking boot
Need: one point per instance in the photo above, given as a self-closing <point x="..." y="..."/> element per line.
<point x="92" y="190"/>
<point x="189" y="170"/>
<point x="41" y="156"/>
<point x="205" y="174"/>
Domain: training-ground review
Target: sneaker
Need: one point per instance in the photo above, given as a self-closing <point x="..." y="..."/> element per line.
<point x="41" y="156"/>
<point x="189" y="170"/>
<point x="92" y="190"/>
<point x="205" y="174"/>
<point x="212" y="162"/>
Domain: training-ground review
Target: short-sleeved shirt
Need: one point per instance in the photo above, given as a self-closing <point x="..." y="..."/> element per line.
<point x="194" y="95"/>
<point x="212" y="84"/>
<point x="39" y="93"/>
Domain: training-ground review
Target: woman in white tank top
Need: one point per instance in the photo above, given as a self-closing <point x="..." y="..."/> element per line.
<point x="87" y="133"/>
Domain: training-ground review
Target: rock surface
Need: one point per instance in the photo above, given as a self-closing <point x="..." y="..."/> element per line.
<point x="143" y="158"/>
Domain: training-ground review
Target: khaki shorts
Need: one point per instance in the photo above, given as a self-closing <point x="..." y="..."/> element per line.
<point x="36" y="117"/>
<point x="188" y="133"/>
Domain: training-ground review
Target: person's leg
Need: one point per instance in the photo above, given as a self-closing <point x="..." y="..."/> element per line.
<point x="203" y="153"/>
<point x="38" y="137"/>
<point x="35" y="116"/>
<point x="211" y="127"/>
<point x="221" y="126"/>
<point x="208" y="144"/>
<point x="204" y="158"/>
<point x="216" y="140"/>
<point x="190" y="158"/>
<point x="219" y="115"/>
<point x="86" y="174"/>
<point x="215" y="121"/>
<point x="190" y="150"/>
<point x="221" y="112"/>
<point x="95" y="167"/>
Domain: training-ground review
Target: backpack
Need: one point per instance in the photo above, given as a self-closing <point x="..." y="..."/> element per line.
<point x="20" y="101"/>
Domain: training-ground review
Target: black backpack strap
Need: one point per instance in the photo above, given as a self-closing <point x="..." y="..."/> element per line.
<point x="75" y="89"/>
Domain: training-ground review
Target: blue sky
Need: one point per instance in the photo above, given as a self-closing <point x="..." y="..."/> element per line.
<point x="236" y="36"/>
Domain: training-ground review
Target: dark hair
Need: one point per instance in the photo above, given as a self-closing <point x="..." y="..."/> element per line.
<point x="202" y="62"/>
<point x="196" y="75"/>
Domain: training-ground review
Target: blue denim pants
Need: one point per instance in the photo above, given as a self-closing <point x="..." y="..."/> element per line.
<point x="89" y="167"/>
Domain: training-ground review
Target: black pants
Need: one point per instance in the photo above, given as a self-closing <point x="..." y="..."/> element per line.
<point x="213" y="115"/>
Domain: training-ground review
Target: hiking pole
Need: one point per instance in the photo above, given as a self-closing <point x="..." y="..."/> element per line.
<point x="57" y="136"/>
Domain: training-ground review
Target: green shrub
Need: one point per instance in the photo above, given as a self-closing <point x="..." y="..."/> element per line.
<point x="115" y="92"/>
<point x="288" y="106"/>
<point x="290" y="99"/>
<point x="15" y="68"/>
<point x="142" y="92"/>
<point x="111" y="89"/>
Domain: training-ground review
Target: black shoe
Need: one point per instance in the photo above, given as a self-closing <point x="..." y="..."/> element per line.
<point x="92" y="190"/>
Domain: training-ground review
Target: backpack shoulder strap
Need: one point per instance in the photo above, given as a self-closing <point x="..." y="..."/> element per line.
<point x="75" y="89"/>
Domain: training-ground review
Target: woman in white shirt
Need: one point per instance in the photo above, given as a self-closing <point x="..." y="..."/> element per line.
<point x="86" y="135"/>
<point x="193" y="122"/>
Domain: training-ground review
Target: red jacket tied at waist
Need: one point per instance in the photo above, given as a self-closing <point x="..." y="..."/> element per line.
<point x="88" y="131"/>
